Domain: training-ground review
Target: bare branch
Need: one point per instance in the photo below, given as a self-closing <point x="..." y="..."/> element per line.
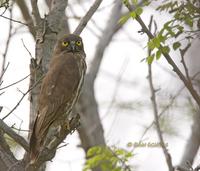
<point x="163" y="111"/>
<point x="24" y="94"/>
<point x="182" y="52"/>
<point x="13" y="20"/>
<point x="2" y="74"/>
<point x="27" y="49"/>
<point x="20" y="140"/>
<point x="35" y="12"/>
<point x="154" y="103"/>
<point x="26" y="15"/>
<point x="107" y="35"/>
<point x="87" y="17"/>
<point x="7" y="46"/>
<point x="155" y="109"/>
<point x="15" y="82"/>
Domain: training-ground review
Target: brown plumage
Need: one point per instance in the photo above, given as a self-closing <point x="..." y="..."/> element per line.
<point x="60" y="89"/>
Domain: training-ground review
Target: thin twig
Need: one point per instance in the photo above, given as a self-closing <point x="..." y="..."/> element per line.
<point x="15" y="82"/>
<point x="19" y="139"/>
<point x="24" y="94"/>
<point x="167" y="107"/>
<point x="91" y="29"/>
<point x="87" y="17"/>
<point x="117" y="86"/>
<point x="115" y="91"/>
<point x="4" y="71"/>
<point x="155" y="111"/>
<point x="7" y="46"/>
<point x="26" y="49"/>
<point x="154" y="103"/>
<point x="182" y="52"/>
<point x="164" y="110"/>
<point x="20" y="130"/>
<point x="13" y="20"/>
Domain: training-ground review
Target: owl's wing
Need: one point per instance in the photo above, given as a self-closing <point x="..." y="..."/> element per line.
<point x="58" y="87"/>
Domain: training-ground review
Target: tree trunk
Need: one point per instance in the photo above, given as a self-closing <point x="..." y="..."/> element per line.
<point x="91" y="130"/>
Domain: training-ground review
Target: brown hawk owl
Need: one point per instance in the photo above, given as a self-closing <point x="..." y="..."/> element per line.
<point x="59" y="90"/>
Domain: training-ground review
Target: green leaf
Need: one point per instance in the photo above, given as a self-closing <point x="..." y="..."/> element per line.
<point x="176" y="45"/>
<point x="165" y="49"/>
<point x="128" y="155"/>
<point x="123" y="19"/>
<point x="156" y="42"/>
<point x="139" y="11"/>
<point x="161" y="37"/>
<point x="133" y="14"/>
<point x="92" y="151"/>
<point x="135" y="2"/>
<point x="189" y="21"/>
<point x="120" y="152"/>
<point x="125" y="2"/>
<point x="151" y="45"/>
<point x="166" y="25"/>
<point x="150" y="59"/>
<point x="130" y="144"/>
<point x="158" y="54"/>
<point x="170" y="31"/>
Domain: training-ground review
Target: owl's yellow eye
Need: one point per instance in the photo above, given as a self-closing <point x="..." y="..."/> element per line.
<point x="78" y="43"/>
<point x="65" y="44"/>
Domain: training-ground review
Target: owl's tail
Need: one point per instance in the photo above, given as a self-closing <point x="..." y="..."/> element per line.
<point x="34" y="149"/>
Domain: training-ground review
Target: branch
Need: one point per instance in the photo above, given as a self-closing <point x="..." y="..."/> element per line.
<point x="189" y="168"/>
<point x="156" y="117"/>
<point x="27" y="17"/>
<point x="2" y="74"/>
<point x="163" y="111"/>
<point x="87" y="17"/>
<point x="182" y="52"/>
<point x="35" y="12"/>
<point x="15" y="82"/>
<point x="154" y="103"/>
<point x="19" y="139"/>
<point x="27" y="49"/>
<point x="24" y="94"/>
<point x="167" y="57"/>
<point x="7" y="45"/>
<point x="111" y="29"/>
<point x="47" y="153"/>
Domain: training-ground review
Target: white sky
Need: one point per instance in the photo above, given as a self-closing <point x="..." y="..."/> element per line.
<point x="121" y="126"/>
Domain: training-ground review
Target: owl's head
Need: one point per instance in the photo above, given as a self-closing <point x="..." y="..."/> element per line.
<point x="70" y="43"/>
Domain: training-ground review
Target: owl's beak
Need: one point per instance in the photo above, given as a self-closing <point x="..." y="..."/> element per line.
<point x="73" y="46"/>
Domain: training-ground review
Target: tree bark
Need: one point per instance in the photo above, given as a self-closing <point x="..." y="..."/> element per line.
<point x="193" y="143"/>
